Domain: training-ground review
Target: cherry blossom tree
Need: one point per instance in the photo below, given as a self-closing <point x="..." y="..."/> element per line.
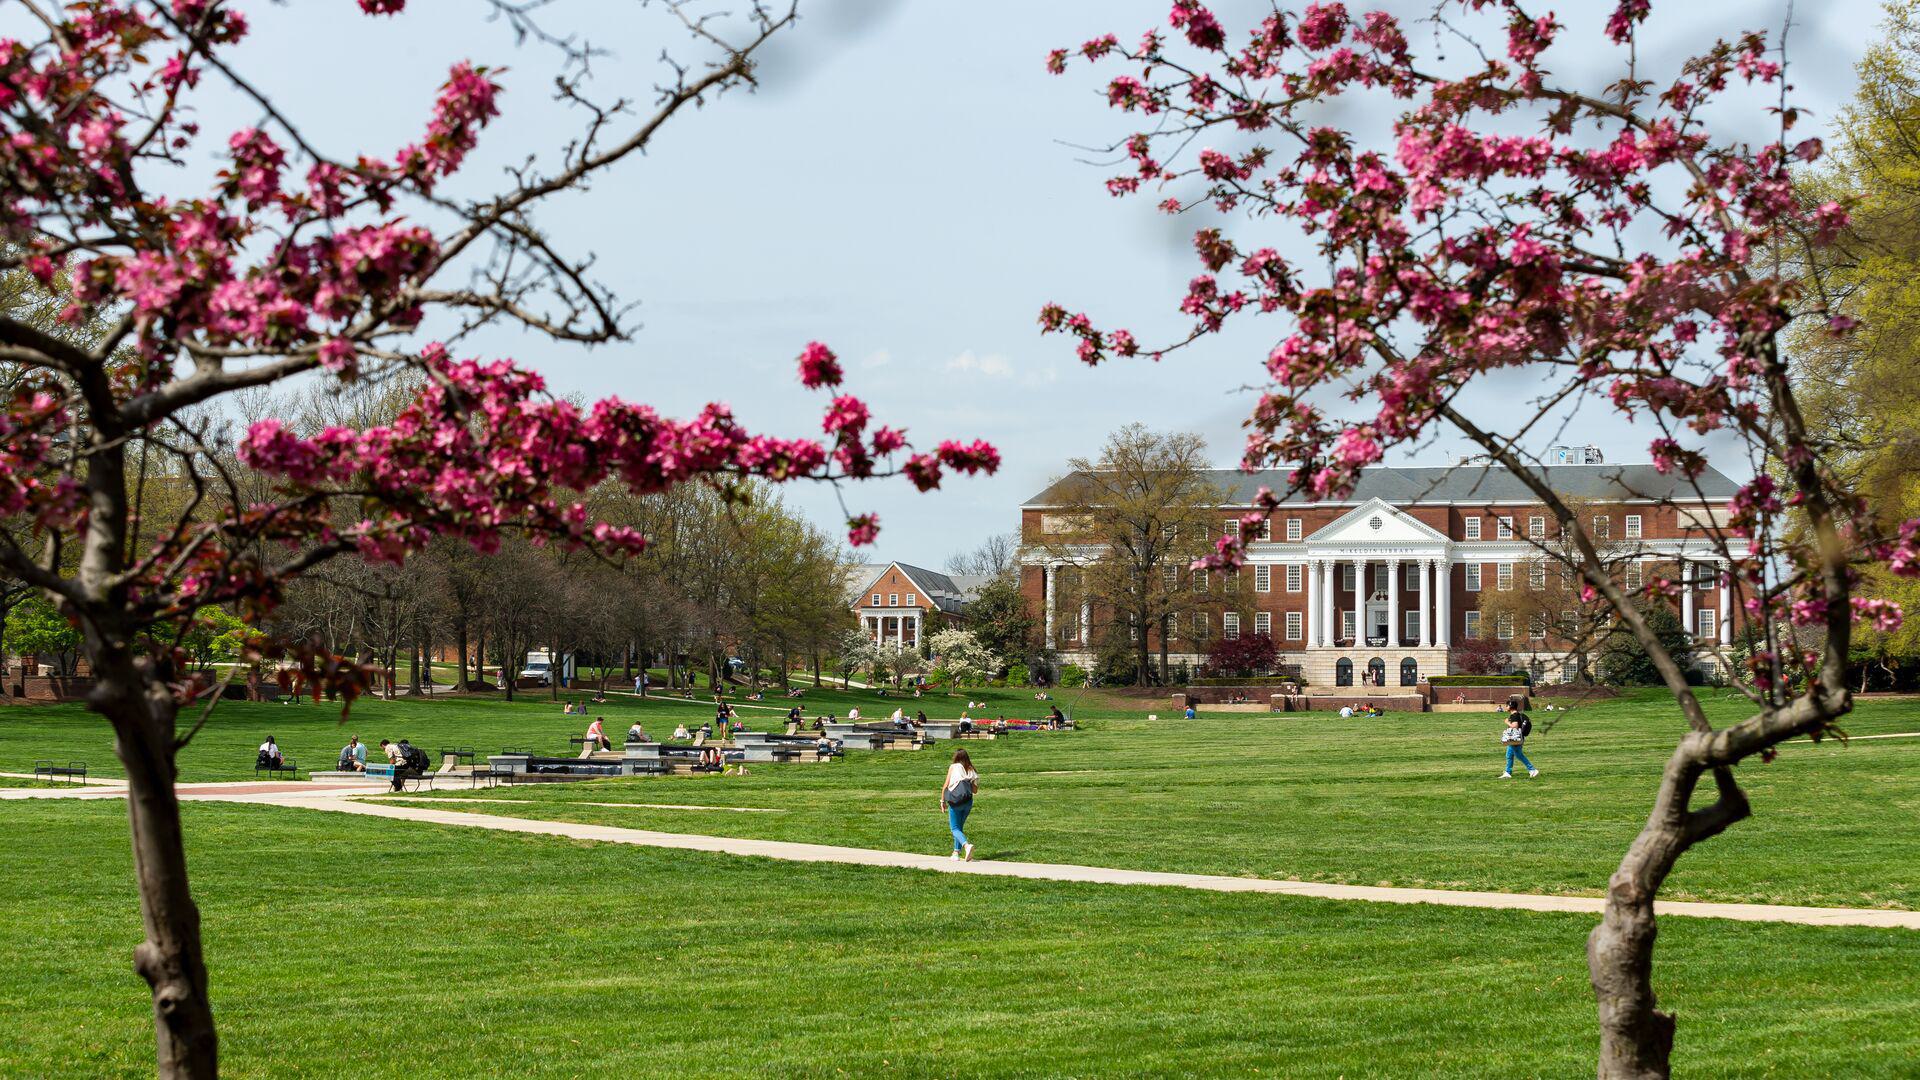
<point x="1610" y="245"/>
<point x="298" y="264"/>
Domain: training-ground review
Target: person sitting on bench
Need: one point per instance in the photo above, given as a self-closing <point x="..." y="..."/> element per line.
<point x="920" y="718"/>
<point x="636" y="733"/>
<point x="269" y="755"/>
<point x="409" y="762"/>
<point x="681" y="732"/>
<point x="1056" y="719"/>
<point x="353" y="756"/>
<point x="794" y="716"/>
<point x="596" y="738"/>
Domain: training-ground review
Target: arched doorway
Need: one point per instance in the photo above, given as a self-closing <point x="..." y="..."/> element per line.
<point x="1343" y="672"/>
<point x="1409" y="672"/>
<point x="1376" y="672"/>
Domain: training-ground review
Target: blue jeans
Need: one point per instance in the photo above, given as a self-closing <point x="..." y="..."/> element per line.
<point x="1513" y="751"/>
<point x="957" y="821"/>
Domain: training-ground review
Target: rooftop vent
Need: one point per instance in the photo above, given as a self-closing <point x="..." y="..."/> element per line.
<point x="1575" y="455"/>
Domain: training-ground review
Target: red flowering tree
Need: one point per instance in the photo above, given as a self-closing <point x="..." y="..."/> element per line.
<point x="1610" y="245"/>
<point x="1250" y="654"/>
<point x="295" y="264"/>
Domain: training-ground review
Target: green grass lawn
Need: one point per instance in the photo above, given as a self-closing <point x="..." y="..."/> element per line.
<point x="1406" y="800"/>
<point x="344" y="946"/>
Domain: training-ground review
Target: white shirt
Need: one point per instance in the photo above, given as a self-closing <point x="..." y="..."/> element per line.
<point x="957" y="772"/>
<point x="1346" y="712"/>
<point x="853" y="714"/>
<point x="268" y="747"/>
<point x="897" y="714"/>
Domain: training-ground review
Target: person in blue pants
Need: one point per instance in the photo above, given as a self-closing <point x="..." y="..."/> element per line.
<point x="956" y="798"/>
<point x="1514" y="738"/>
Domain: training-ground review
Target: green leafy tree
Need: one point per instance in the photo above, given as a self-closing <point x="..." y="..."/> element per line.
<point x="998" y="617"/>
<point x="1625" y="662"/>
<point x="34" y="628"/>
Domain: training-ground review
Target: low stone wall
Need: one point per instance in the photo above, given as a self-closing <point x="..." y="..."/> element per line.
<point x="1332" y="703"/>
<point x="1472" y="695"/>
<point x="1248" y="693"/>
<point x="52" y="688"/>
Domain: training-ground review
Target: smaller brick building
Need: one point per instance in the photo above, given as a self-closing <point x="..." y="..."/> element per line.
<point x="903" y="604"/>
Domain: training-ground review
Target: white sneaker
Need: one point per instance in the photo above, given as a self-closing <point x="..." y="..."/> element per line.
<point x="969" y="852"/>
<point x="1531" y="773"/>
<point x="955" y="856"/>
<point x="1504" y="776"/>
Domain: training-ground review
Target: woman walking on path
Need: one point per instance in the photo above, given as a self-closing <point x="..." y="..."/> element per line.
<point x="956" y="798"/>
<point x="1513" y="738"/>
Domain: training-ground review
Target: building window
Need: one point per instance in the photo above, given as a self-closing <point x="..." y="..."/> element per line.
<point x="1536" y="528"/>
<point x="1705" y="618"/>
<point x="1504" y="530"/>
<point x="1263" y="578"/>
<point x="876" y="599"/>
<point x="1633" y="577"/>
<point x="1230" y="625"/>
<point x="909" y="599"/>
<point x="1296" y="577"/>
<point x="1293" y="529"/>
<point x="1503" y="577"/>
<point x="1569" y="624"/>
<point x="1602" y="527"/>
<point x="1503" y="626"/>
<point x="1231" y="527"/>
<point x="1633" y="526"/>
<point x="1346" y="626"/>
<point x="1200" y="628"/>
<point x="1266" y="528"/>
<point x="1263" y="623"/>
<point x="1199" y="581"/>
<point x="1705" y="576"/>
<point x="1409" y="672"/>
<point x="1173" y="578"/>
<point x="1346" y="576"/>
<point x="1473" y="577"/>
<point x="1473" y="528"/>
<point x="893" y="599"/>
<point x="1343" y="672"/>
<point x="1473" y="624"/>
<point x="1411" y="626"/>
<point x="1412" y="576"/>
<point x="1566" y="575"/>
<point x="1295" y="626"/>
<point x="1537" y="625"/>
<point x="1536" y="576"/>
<point x="1376" y="672"/>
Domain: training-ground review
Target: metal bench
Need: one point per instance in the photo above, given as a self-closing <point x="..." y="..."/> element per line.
<point x="275" y="772"/>
<point x="419" y="780"/>
<point x="491" y="775"/>
<point x="74" y="772"/>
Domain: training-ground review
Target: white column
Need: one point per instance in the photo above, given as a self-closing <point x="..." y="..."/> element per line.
<point x="1311" y="571"/>
<point x="1686" y="596"/>
<point x="1086" y="623"/>
<point x="1426" y="603"/>
<point x="1393" y="603"/>
<point x="1049" y="573"/>
<point x="1725" y="626"/>
<point x="1359" y="602"/>
<point x="1329" y="574"/>
<point x="1442" y="601"/>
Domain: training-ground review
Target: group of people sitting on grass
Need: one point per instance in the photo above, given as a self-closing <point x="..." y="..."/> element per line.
<point x="1363" y="708"/>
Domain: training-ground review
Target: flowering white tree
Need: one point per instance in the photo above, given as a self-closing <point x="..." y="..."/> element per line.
<point x="961" y="654"/>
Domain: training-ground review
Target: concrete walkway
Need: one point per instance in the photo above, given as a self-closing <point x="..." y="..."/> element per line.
<point x="349" y="798"/>
<point x="794" y="852"/>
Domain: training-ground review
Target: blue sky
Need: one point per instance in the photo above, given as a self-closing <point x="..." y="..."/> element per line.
<point x="904" y="186"/>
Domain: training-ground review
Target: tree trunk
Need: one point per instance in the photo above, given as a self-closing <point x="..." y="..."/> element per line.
<point x="1140" y="647"/>
<point x="460" y="632"/>
<point x="170" y="958"/>
<point x="413" y="663"/>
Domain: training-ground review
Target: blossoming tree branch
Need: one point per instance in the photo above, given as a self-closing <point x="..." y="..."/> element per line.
<point x="1616" y="246"/>
<point x="297" y="264"/>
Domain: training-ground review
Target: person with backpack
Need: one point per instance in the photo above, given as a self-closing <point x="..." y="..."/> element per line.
<point x="409" y="762"/>
<point x="1519" y="726"/>
<point x="956" y="798"/>
<point x="268" y="756"/>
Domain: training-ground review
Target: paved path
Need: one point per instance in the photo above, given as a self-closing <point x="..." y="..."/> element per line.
<point x="776" y="849"/>
<point x="340" y="798"/>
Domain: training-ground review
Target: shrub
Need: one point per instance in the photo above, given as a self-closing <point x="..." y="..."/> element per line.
<point x="1477" y="680"/>
<point x="1248" y="654"/>
<point x="1624" y="663"/>
<point x="1478" y="656"/>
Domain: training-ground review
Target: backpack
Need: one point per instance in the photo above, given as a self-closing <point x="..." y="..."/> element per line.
<point x="960" y="793"/>
<point x="416" y="758"/>
<point x="1526" y="725"/>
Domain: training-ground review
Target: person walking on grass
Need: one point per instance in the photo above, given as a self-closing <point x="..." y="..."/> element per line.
<point x="1519" y="726"/>
<point x="956" y="798"/>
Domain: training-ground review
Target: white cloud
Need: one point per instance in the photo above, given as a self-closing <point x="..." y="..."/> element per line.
<point x="992" y="365"/>
<point x="877" y="358"/>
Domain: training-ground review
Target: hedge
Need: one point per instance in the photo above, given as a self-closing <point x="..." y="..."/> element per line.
<point x="1477" y="680"/>
<point x="1260" y="680"/>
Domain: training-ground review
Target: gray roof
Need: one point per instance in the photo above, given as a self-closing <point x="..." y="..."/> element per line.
<point x="949" y="592"/>
<point x="1475" y="482"/>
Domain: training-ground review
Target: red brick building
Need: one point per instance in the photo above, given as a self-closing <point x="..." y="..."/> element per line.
<point x="1384" y="581"/>
<point x="902" y="604"/>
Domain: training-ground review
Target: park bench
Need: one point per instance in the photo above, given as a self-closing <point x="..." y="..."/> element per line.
<point x="74" y="772"/>
<point x="491" y="775"/>
<point x="286" y="767"/>
<point x="455" y="756"/>
<point x="419" y="781"/>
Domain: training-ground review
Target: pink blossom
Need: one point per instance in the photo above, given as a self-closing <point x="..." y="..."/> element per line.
<point x="818" y="366"/>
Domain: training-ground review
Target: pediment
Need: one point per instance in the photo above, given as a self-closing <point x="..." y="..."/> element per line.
<point x="1377" y="522"/>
